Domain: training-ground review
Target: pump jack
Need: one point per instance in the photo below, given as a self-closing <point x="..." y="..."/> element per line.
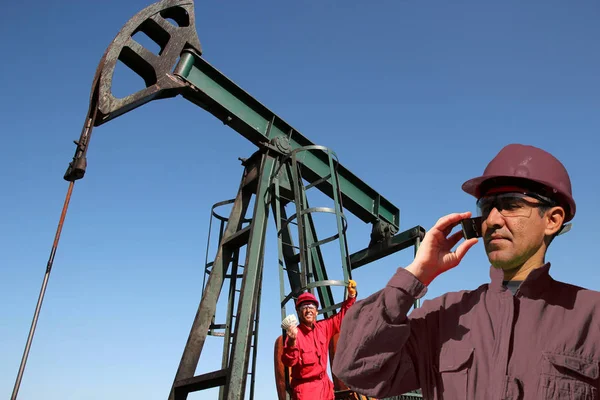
<point x="279" y="174"/>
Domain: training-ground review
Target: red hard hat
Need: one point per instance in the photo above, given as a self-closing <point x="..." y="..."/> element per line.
<point x="306" y="298"/>
<point x="526" y="164"/>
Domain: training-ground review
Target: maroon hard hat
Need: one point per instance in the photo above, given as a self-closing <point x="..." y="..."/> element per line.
<point x="306" y="298"/>
<point x="518" y="163"/>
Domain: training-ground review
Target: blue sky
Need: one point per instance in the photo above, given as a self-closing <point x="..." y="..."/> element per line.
<point x="414" y="97"/>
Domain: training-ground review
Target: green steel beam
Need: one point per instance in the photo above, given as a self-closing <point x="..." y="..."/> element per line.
<point x="230" y="314"/>
<point x="217" y="94"/>
<point x="247" y="302"/>
<point x="401" y="241"/>
<point x="179" y="69"/>
<point x="208" y="304"/>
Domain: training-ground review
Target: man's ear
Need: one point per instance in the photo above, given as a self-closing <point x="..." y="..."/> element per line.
<point x="554" y="220"/>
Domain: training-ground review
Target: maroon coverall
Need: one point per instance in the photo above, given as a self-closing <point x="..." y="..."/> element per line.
<point x="308" y="357"/>
<point x="485" y="344"/>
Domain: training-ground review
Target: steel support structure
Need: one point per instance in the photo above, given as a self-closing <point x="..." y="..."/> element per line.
<point x="180" y="69"/>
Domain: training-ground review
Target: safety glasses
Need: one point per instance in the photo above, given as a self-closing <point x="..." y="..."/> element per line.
<point x="307" y="307"/>
<point x="512" y="204"/>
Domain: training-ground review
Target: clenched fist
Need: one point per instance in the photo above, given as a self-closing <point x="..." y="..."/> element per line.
<point x="351" y="288"/>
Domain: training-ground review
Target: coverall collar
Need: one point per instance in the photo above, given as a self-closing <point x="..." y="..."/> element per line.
<point x="536" y="282"/>
<point x="306" y="328"/>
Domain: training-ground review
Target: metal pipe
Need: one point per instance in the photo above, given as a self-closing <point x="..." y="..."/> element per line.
<point x="417" y="302"/>
<point x="42" y="292"/>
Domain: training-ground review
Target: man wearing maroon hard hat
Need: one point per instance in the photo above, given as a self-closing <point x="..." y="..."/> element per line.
<point x="306" y="346"/>
<point x="521" y="336"/>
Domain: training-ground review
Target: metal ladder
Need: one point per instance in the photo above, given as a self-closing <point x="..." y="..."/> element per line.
<point x="304" y="262"/>
<point x="225" y="330"/>
<point x="240" y="338"/>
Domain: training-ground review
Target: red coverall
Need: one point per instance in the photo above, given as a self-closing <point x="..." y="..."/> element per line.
<point x="308" y="358"/>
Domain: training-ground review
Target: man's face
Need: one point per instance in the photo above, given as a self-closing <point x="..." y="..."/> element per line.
<point x="513" y="229"/>
<point x="307" y="313"/>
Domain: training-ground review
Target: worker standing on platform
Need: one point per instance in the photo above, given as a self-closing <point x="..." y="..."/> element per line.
<point x="306" y="347"/>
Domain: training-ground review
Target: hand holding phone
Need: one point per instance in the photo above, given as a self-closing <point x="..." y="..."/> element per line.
<point x="440" y="249"/>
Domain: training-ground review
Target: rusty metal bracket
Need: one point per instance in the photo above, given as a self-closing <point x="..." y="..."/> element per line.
<point x="156" y="70"/>
<point x="279" y="145"/>
<point x="382" y="232"/>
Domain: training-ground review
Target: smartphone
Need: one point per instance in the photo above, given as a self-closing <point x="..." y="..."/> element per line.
<point x="471" y="227"/>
